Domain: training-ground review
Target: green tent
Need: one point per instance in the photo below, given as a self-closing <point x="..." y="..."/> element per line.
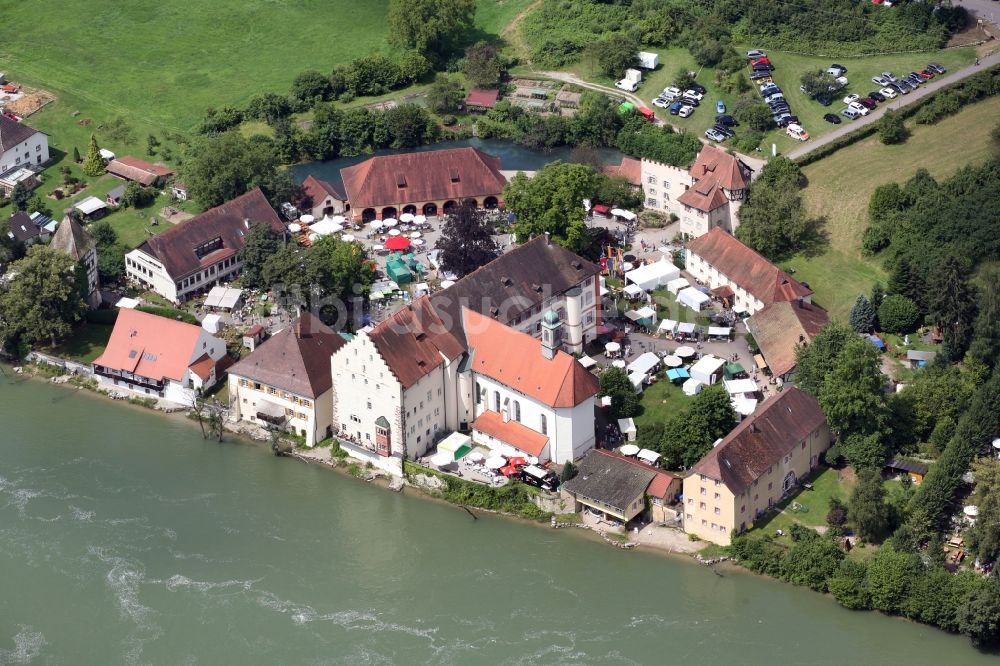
<point x="626" y="107"/>
<point x="732" y="369"/>
<point x="398" y="272"/>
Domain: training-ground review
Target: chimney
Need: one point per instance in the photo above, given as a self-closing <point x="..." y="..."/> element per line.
<point x="548" y="238"/>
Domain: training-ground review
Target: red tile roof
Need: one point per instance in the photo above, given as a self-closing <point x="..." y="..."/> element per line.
<point x="315" y="191"/>
<point x="486" y="99"/>
<point x="150" y="346"/>
<point x="515" y="359"/>
<point x="630" y="169"/>
<point x="780" y="328"/>
<point x="746" y="268"/>
<point x="728" y="170"/>
<point x="141" y="171"/>
<point x="519" y="436"/>
<point x="203" y="366"/>
<point x="705" y="195"/>
<point x="659" y="486"/>
<point x="414" y="341"/>
<point x="174" y="248"/>
<point x="762" y="439"/>
<point x="435" y="175"/>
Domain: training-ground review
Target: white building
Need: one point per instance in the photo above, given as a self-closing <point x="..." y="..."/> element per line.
<point x="706" y="196"/>
<point x="286" y="383"/>
<point x="159" y="357"/>
<point x="72" y="239"/>
<point x="21" y="146"/>
<point x="202" y="252"/>
<point x="734" y="271"/>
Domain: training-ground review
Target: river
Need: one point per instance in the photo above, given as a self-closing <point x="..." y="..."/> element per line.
<point x="127" y="538"/>
<point x="513" y="157"/>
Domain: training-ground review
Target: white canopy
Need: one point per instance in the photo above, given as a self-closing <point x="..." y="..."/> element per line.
<point x="376" y="224"/>
<point x="646" y="312"/>
<point x="629" y="449"/>
<point x="692" y="387"/>
<point x="633" y="315"/>
<point x="295" y="227"/>
<point x="393" y="232"/>
<point x="389" y="222"/>
<point x="692" y="298"/>
<point x="637" y="379"/>
<point x="612" y="347"/>
<point x="308" y="219"/>
<point x="419" y="219"/>
<point x="446" y="283"/>
<point x="131" y="304"/>
<point x="324" y="227"/>
<point x="706" y="369"/>
<point x="443" y="458"/>
<point x="644" y="364"/>
<point x="686" y="328"/>
<point x="421" y="288"/>
<point x="348" y="238"/>
<point x="971" y="511"/>
<point x="618" y="363"/>
<point x="627" y="427"/>
<point x="648" y="456"/>
<point x="224" y="298"/>
<point x="743" y="406"/>
<point x="587" y="362"/>
<point x="454" y="443"/>
<point x="633" y="290"/>
<point x="90" y="205"/>
<point x="654" y="275"/>
<point x="212" y="323"/>
<point x="496" y="462"/>
<point x="677" y="284"/>
<point x="668" y="326"/>
<point x="734" y="386"/>
<point x="406" y="217"/>
<point x="719" y="331"/>
<point x="337" y="219"/>
<point x="672" y="361"/>
<point x="684" y="351"/>
<point x="624" y="214"/>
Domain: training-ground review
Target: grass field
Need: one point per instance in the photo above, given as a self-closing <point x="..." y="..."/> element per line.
<point x="841" y="184"/>
<point x="660" y="401"/>
<point x="86" y="344"/>
<point x="810" y="506"/>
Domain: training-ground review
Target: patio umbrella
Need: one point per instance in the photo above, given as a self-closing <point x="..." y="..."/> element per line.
<point x="495" y="462"/>
<point x="612" y="347"/>
<point x="419" y="219"/>
<point x="393" y="232"/>
<point x="406" y="217"/>
<point x="618" y="364"/>
<point x="442" y="459"/>
<point x="447" y="283"/>
<point x="376" y="225"/>
<point x="397" y="243"/>
<point x="313" y="236"/>
<point x="416" y="234"/>
<point x="509" y="470"/>
<point x="338" y="219"/>
<point x="348" y="238"/>
<point x="389" y="222"/>
<point x="684" y="352"/>
<point x="629" y="450"/>
<point x="518" y="460"/>
<point x="475" y="457"/>
<point x="307" y="219"/>
<point x="672" y="361"/>
<point x="532" y="460"/>
<point x="418" y="241"/>
<point x="971" y="511"/>
<point x="295" y="228"/>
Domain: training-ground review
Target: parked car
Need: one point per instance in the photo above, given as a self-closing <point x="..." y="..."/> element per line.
<point x="782" y="120"/>
<point x="686" y="111"/>
<point x="675" y="108"/>
<point x="889" y="76"/>
<point x="889" y="93"/>
<point x="867" y="102"/>
<point x="715" y="135"/>
<point x="690" y="101"/>
<point x="915" y="79"/>
<point x="755" y="53"/>
<point x="720" y="107"/>
<point x="781" y="108"/>
<point x="851" y="98"/>
<point x="836" y="70"/>
<point x="824" y="100"/>
<point x="672" y="92"/>
<point x="832" y="118"/>
<point x="774" y="98"/>
<point x="797" y="132"/>
<point x="722" y="129"/>
<point x="661" y="102"/>
<point x="852" y="113"/>
<point x="842" y="80"/>
<point x="697" y="87"/>
<point x="880" y="80"/>
<point x="926" y="74"/>
<point x="860" y="108"/>
<point x="626" y="85"/>
<point x="761" y="77"/>
<point x="936" y="68"/>
<point x="694" y="94"/>
<point x="769" y="89"/>
<point x="877" y="96"/>
<point x="728" y="121"/>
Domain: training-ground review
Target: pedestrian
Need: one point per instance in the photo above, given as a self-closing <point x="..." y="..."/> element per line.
<point x="977" y="60"/>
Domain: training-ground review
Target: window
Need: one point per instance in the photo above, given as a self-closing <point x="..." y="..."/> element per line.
<point x="689" y="516"/>
<point x="651" y="202"/>
<point x="666" y="184"/>
<point x="714" y="526"/>
<point x="690" y="500"/>
<point x="369" y="404"/>
<point x="701" y="505"/>
<point x="651" y="180"/>
<point x="717" y="495"/>
<point x="517" y="411"/>
<point x="704" y="492"/>
<point x="496" y="401"/>
<point x="704" y="523"/>
<point x="743" y="508"/>
<point x="717" y="511"/>
<point x="545" y="425"/>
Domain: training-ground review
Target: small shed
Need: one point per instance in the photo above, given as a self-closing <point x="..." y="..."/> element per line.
<point x="647" y="60"/>
<point x="708" y="369"/>
<point x="916" y="471"/>
<point x="179" y="191"/>
<point x="212" y="323"/>
<point x="692" y="387"/>
<point x="254" y="336"/>
<point x="627" y="428"/>
<point x="92" y="208"/>
<point x="479" y="99"/>
<point x="114" y="197"/>
<point x="918" y="359"/>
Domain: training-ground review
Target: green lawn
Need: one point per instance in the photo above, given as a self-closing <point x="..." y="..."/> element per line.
<point x="808" y="507"/>
<point x="841" y="184"/>
<point x="86" y="343"/>
<point x="660" y="401"/>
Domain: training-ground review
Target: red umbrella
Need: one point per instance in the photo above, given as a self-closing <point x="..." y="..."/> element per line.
<point x="509" y="470"/>
<point x="517" y="462"/>
<point x="396" y="243"/>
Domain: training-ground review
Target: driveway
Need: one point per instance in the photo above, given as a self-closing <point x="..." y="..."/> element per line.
<point x="899" y="102"/>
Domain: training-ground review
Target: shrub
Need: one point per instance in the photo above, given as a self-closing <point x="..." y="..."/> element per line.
<point x="891" y="129"/>
<point x="898" y="314"/>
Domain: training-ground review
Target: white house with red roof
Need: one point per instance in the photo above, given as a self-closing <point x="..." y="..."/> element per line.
<point x="160" y="358"/>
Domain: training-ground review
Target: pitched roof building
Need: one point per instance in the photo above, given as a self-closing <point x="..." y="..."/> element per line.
<point x="610" y="485"/>
<point x="780" y="328"/>
<point x="199" y="253"/>
<point x="141" y="171"/>
<point x="287" y="380"/>
<point x="426" y="182"/>
<point x="22" y="150"/>
<point x="630" y="169"/>
<point x="25" y="228"/>
<point x="72" y="239"/>
<point x="764" y="458"/>
<point x="320" y="198"/>
<point x="480" y="99"/>
<point x="717" y="258"/>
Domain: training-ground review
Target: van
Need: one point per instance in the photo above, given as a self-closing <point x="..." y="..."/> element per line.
<point x="848" y="112"/>
<point x="536" y="476"/>
<point x="626" y="85"/>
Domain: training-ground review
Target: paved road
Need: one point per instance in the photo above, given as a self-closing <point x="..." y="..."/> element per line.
<point x="987" y="10"/>
<point x="903" y="100"/>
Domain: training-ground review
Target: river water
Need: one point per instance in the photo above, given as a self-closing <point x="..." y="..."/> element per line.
<point x="127" y="538"/>
<point x="513" y="157"/>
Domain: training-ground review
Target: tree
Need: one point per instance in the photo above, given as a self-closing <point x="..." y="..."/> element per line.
<point x="261" y="243"/>
<point x="868" y="509"/>
<point x="906" y="281"/>
<point x="848" y="586"/>
<point x="952" y="305"/>
<point x="309" y="86"/>
<point x="483" y="65"/>
<point x="111" y="261"/>
<point x="812" y="561"/>
<point x="814" y="361"/>
<point x="862" y="316"/>
<point x="984" y="536"/>
<point x="985" y="346"/>
<point x="890" y="576"/>
<point x="753" y="113"/>
<point x="689" y="435"/>
<point x="891" y="129"/>
<point x="445" y="94"/>
<point x="878" y="295"/>
<point x="20" y="196"/>
<point x="552" y="202"/>
<point x="682" y="76"/>
<point x="979" y="614"/>
<point x="137" y="196"/>
<point x="616" y="385"/>
<point x="222" y="167"/>
<point x="76" y="155"/>
<point x="151" y="143"/>
<point x="466" y="241"/>
<point x="103" y="233"/>
<point x="773" y="221"/>
<point x="431" y="27"/>
<point x="898" y="314"/>
<point x="568" y="471"/>
<point x="613" y="54"/>
<point x="338" y="269"/>
<point x="413" y="67"/>
<point x="818" y="83"/>
<point x="94" y="165"/>
<point x="852" y="395"/>
<point x="42" y="301"/>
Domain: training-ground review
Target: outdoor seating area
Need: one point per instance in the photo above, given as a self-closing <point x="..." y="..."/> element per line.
<point x="458" y="455"/>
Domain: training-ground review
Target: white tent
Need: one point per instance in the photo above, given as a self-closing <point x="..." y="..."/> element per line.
<point x="677" y="284"/>
<point x="648" y="456"/>
<point x="624" y="214"/>
<point x="212" y="323"/>
<point x="743" y="406"/>
<point x="707" y="369"/>
<point x="131" y="304"/>
<point x="456" y="445"/>
<point x="740" y="386"/>
<point x="692" y="387"/>
<point x="685" y="327"/>
<point x="324" y="227"/>
<point x="223" y="298"/>
<point x="668" y="326"/>
<point x="637" y="379"/>
<point x="627" y="428"/>
<point x="633" y="290"/>
<point x="719" y="331"/>
<point x="654" y="275"/>
<point x="646" y="312"/>
<point x="587" y="362"/>
<point x="692" y="298"/>
<point x="645" y="364"/>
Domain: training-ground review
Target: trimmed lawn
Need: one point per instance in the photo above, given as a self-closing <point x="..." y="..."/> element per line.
<point x="86" y="343"/>
<point x="841" y="184"/>
<point x="808" y="507"/>
<point x="660" y="401"/>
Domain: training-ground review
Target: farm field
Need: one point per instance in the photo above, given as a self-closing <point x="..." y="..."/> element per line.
<point x="841" y="184"/>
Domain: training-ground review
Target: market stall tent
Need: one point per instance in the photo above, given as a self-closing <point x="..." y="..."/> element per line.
<point x="627" y="428"/>
<point x="645" y="364"/>
<point x="678" y="374"/>
<point x="677" y="284"/>
<point x="667" y="326"/>
<point x="654" y="275"/>
<point x="456" y="445"/>
<point x="693" y="298"/>
<point x="740" y="386"/>
<point x="633" y="291"/>
<point x="648" y="456"/>
<point x="692" y="387"/>
<point x="637" y="379"/>
<point x="708" y="369"/>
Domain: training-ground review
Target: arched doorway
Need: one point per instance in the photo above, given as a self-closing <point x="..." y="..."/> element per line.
<point x="449" y="206"/>
<point x="490" y="203"/>
<point x="470" y="202"/>
<point x="388" y="212"/>
<point x="410" y="208"/>
<point x="368" y="214"/>
<point x="789" y="482"/>
<point x="430" y="209"/>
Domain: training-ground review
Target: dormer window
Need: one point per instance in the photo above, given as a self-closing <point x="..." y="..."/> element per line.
<point x="208" y="247"/>
<point x="401" y="181"/>
<point x="454" y="175"/>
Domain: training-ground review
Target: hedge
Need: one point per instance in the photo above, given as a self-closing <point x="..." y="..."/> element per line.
<point x="107" y="317"/>
<point x="169" y="313"/>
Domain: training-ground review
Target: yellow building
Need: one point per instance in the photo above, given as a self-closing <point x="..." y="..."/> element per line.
<point x="755" y="466"/>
